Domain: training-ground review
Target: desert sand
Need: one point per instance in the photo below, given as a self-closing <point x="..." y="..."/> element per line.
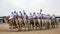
<point x="4" y="29"/>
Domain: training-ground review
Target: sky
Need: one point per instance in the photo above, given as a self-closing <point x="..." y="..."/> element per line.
<point x="47" y="6"/>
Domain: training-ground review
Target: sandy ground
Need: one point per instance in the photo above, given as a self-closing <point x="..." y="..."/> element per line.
<point x="4" y="29"/>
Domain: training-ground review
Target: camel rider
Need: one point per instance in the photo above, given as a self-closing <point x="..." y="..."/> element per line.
<point x="47" y="21"/>
<point x="35" y="19"/>
<point x="20" y="19"/>
<point x="16" y="19"/>
<point x="53" y="21"/>
<point x="11" y="20"/>
<point x="25" y="19"/>
<point x="39" y="19"/>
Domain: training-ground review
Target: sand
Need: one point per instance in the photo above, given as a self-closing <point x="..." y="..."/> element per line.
<point x="4" y="29"/>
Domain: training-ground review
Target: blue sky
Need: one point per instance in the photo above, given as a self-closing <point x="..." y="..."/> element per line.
<point x="48" y="6"/>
